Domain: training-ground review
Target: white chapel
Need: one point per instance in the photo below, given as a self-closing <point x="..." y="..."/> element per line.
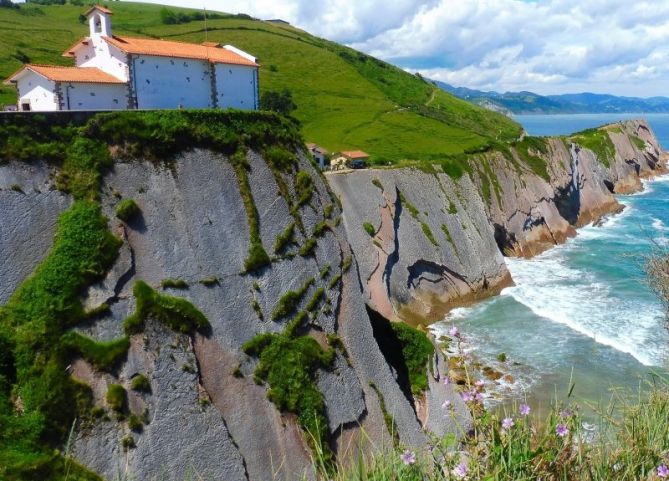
<point x="114" y="73"/>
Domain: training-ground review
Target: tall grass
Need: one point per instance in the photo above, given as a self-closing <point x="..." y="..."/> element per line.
<point x="629" y="441"/>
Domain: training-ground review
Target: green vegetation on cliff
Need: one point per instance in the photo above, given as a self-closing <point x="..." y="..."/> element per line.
<point x="417" y="351"/>
<point x="36" y="320"/>
<point x="177" y="313"/>
<point x="599" y="142"/>
<point x="39" y="400"/>
<point x="345" y="99"/>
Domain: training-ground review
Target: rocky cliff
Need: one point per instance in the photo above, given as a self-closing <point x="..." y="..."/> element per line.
<point x="184" y="295"/>
<point x="427" y="241"/>
<point x="223" y="334"/>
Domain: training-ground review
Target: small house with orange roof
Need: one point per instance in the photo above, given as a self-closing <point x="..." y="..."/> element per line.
<point x="356" y="159"/>
<point x="112" y="72"/>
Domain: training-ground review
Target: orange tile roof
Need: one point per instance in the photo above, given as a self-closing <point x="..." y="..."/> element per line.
<point x="70" y="74"/>
<point x="166" y="48"/>
<point x="355" y="154"/>
<point x="99" y="7"/>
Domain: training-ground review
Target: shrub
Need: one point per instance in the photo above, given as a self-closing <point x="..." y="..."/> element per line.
<point x="417" y="351"/>
<point x="126" y="209"/>
<point x="289" y="365"/>
<point x="376" y="182"/>
<point x="304" y="187"/>
<point x="128" y="442"/>
<point x="140" y="383"/>
<point x="279" y="102"/>
<point x="135" y="423"/>
<point x="117" y="398"/>
<point x="369" y="228"/>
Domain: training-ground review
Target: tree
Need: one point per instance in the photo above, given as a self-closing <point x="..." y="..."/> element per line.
<point x="280" y="102"/>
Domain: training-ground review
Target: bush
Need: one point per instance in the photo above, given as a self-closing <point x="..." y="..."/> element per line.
<point x="117" y="398"/>
<point x="127" y="209"/>
<point x="289" y="366"/>
<point x="140" y="383"/>
<point x="417" y="351"/>
<point x="304" y="187"/>
<point x="279" y="102"/>
<point x="308" y="247"/>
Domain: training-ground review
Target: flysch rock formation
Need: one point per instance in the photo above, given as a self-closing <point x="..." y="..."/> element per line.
<point x="205" y="417"/>
<point x="438" y="243"/>
<point x="434" y="243"/>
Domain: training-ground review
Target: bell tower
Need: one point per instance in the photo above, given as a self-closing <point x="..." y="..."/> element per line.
<point x="99" y="21"/>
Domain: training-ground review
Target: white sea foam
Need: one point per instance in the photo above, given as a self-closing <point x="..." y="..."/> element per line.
<point x="659" y="225"/>
<point x="574" y="298"/>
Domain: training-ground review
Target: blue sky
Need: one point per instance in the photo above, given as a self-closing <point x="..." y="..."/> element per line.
<point x="546" y="46"/>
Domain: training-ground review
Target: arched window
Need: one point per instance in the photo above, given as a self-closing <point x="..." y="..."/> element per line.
<point x="97" y="24"/>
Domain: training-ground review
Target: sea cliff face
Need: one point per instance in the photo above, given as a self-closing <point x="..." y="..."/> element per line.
<point x="342" y="255"/>
<point x="437" y="242"/>
<point x="194" y="402"/>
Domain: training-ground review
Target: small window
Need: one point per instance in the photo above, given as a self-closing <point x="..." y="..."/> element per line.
<point x="25" y="107"/>
<point x="116" y="101"/>
<point x="148" y="81"/>
<point x="92" y="94"/>
<point x="188" y="79"/>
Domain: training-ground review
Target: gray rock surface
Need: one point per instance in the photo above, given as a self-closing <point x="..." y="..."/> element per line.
<point x="205" y="414"/>
<point x="29" y="209"/>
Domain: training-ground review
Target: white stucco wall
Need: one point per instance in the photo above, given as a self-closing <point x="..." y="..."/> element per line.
<point x="236" y="86"/>
<point x="91" y="96"/>
<point x="167" y="83"/>
<point x="100" y="54"/>
<point x="37" y="91"/>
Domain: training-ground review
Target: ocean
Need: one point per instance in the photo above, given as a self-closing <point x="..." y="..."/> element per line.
<point x="581" y="312"/>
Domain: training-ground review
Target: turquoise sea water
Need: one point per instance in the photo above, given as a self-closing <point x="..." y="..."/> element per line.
<point x="583" y="307"/>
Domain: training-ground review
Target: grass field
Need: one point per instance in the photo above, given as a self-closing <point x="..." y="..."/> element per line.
<point x="345" y="99"/>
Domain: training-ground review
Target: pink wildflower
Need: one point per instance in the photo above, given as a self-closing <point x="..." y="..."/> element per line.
<point x="408" y="457"/>
<point x="467" y="396"/>
<point x="453" y="332"/>
<point x="561" y="430"/>
<point x="446" y="404"/>
<point x="446" y="380"/>
<point x="524" y="409"/>
<point x="663" y="471"/>
<point x="460" y="470"/>
<point x="507" y="423"/>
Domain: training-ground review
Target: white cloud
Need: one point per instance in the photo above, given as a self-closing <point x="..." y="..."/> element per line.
<point x="547" y="46"/>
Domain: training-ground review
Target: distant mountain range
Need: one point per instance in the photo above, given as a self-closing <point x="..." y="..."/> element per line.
<point x="531" y="103"/>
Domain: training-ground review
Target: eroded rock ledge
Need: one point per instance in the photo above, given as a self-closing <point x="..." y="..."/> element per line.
<point x="426" y="243"/>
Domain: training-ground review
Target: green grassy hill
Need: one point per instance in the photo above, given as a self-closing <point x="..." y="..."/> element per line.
<point x="345" y="99"/>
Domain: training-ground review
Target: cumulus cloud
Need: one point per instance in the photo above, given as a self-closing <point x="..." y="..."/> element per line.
<point x="548" y="46"/>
